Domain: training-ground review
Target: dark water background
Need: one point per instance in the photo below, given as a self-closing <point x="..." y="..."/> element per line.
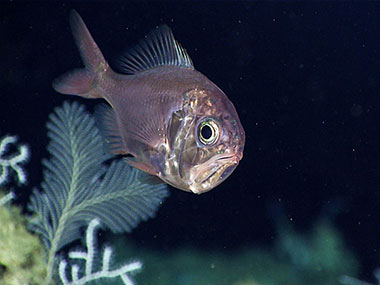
<point x="305" y="79"/>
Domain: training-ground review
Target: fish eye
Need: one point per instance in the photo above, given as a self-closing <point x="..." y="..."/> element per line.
<point x="208" y="131"/>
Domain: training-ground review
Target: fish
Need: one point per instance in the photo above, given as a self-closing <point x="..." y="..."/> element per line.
<point x="163" y="116"/>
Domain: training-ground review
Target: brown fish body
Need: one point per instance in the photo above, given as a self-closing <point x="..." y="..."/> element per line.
<point x="175" y="122"/>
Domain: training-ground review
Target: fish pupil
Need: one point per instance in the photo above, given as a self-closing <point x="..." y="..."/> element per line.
<point x="206" y="132"/>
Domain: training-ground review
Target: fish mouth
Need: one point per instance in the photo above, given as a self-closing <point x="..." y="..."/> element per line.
<point x="213" y="172"/>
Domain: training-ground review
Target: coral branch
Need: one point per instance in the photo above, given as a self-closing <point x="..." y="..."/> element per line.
<point x="348" y="280"/>
<point x="89" y="258"/>
<point x="7" y="198"/>
<point x="12" y="161"/>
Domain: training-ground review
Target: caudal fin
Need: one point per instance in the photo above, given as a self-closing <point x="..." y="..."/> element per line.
<point x="81" y="81"/>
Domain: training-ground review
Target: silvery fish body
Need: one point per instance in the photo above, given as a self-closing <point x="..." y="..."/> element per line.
<point x="175" y="122"/>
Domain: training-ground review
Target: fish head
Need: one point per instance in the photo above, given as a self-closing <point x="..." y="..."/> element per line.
<point x="211" y="141"/>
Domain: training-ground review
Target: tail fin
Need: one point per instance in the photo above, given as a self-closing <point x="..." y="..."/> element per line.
<point x="80" y="81"/>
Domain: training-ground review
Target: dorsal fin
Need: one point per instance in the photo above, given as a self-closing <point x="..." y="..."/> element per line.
<point x="158" y="48"/>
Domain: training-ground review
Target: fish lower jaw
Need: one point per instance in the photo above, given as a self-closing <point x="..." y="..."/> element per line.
<point x="204" y="181"/>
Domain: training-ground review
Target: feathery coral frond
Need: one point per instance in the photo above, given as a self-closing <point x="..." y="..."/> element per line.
<point x="78" y="187"/>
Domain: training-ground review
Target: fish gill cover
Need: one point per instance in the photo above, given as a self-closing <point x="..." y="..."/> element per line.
<point x="78" y="186"/>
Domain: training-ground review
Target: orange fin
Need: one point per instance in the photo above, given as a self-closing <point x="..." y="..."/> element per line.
<point x="106" y="121"/>
<point x="158" y="48"/>
<point x="150" y="179"/>
<point x="142" y="166"/>
<point x="75" y="82"/>
<point x="80" y="81"/>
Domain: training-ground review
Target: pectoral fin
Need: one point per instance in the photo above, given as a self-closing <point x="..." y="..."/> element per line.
<point x="142" y="166"/>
